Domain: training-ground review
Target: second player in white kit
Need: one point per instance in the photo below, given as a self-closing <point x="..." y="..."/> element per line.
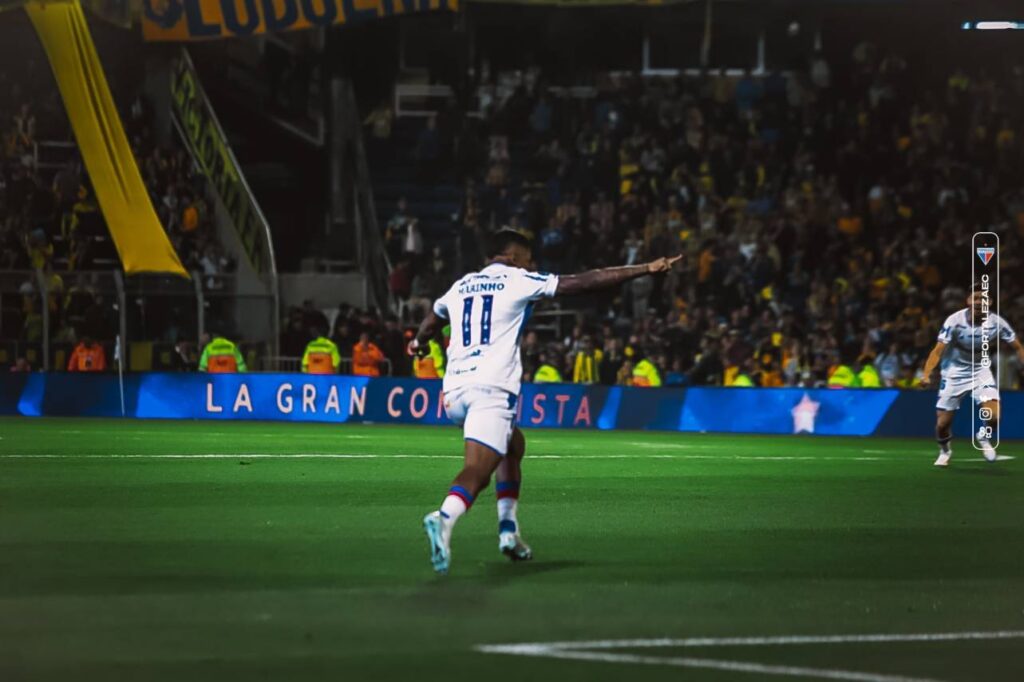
<point x="963" y="373"/>
<point x="487" y="311"/>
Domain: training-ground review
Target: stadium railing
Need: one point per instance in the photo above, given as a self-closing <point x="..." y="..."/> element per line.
<point x="286" y="364"/>
<point x="422" y="100"/>
<point x="43" y="314"/>
<point x="50" y="155"/>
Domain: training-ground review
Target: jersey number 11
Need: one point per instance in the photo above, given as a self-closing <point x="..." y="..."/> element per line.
<point x="485" y="320"/>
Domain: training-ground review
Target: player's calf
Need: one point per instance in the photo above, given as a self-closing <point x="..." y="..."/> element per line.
<point x="944" y="436"/>
<point x="474" y="477"/>
<point x="509" y="479"/>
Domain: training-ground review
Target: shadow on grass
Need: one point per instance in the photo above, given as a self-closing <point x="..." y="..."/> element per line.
<point x="497" y="573"/>
<point x="508" y="570"/>
<point x="471" y="589"/>
<point x="987" y="470"/>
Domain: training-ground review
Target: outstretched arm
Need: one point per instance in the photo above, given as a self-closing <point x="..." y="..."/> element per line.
<point x="931" y="363"/>
<point x="603" y="278"/>
<point x="430" y="327"/>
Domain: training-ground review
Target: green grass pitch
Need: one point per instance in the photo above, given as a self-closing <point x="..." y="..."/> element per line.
<point x="237" y="551"/>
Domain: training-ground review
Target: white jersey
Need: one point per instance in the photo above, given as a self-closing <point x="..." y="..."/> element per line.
<point x="961" y="363"/>
<point x="487" y="311"/>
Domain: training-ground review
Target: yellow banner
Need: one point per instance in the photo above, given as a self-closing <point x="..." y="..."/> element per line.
<point x="207" y="19"/>
<point x="141" y="241"/>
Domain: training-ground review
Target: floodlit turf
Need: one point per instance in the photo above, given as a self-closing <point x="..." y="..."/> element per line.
<point x="224" y="551"/>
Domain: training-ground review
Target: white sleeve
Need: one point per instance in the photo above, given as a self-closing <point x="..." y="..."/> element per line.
<point x="441" y="306"/>
<point x="535" y="285"/>
<point x="1006" y="332"/>
<point x="946" y="333"/>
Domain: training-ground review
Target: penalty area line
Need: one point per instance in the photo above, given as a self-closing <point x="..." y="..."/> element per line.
<point x="730" y="666"/>
<point x="599" y="651"/>
<point x="775" y="640"/>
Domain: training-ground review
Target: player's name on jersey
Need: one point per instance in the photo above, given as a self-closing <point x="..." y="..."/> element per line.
<point x="481" y="287"/>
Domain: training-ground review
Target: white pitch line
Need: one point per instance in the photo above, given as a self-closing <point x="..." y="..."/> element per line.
<point x="669" y="446"/>
<point x="329" y="455"/>
<point x="332" y="455"/>
<point x="780" y="640"/>
<point x="734" y="666"/>
<point x="585" y="651"/>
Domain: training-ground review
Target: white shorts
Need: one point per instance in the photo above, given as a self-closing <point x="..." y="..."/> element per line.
<point x="487" y="415"/>
<point x="952" y="392"/>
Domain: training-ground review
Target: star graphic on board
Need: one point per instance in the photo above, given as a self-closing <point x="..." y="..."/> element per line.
<point x="804" y="413"/>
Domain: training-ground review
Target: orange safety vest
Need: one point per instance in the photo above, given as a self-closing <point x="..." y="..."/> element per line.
<point x="320" y="363"/>
<point x="222" y="364"/>
<point x="424" y="368"/>
<point x="366" y="360"/>
<point x="87" y="359"/>
<point x="320" y="357"/>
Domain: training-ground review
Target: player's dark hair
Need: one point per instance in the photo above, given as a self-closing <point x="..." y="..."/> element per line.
<point x="504" y="238"/>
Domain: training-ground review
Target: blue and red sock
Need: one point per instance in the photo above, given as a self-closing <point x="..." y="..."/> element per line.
<point x="457" y="503"/>
<point x="507" y="490"/>
<point x="508" y="501"/>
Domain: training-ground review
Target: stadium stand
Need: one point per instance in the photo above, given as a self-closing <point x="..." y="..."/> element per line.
<point x="822" y="211"/>
<point x="822" y="225"/>
<point x="767" y="442"/>
<point x="50" y="222"/>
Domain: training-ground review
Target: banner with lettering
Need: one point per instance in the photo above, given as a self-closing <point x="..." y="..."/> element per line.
<point x="349" y="399"/>
<point x="164" y="20"/>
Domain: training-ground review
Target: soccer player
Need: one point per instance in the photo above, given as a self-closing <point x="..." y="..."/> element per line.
<point x="487" y="311"/>
<point x="959" y="349"/>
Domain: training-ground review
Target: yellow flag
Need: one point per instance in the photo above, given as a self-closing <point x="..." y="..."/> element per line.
<point x="141" y="241"/>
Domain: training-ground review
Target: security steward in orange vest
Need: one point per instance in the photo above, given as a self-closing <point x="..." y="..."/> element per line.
<point x="321" y="356"/>
<point x="221" y="356"/>
<point x="88" y="356"/>
<point x="366" y="357"/>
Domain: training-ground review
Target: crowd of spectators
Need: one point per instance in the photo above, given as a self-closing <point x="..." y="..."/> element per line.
<point x="357" y="333"/>
<point x="825" y="215"/>
<point x="50" y="219"/>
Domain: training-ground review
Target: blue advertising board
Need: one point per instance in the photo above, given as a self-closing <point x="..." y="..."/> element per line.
<point x="341" y="399"/>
